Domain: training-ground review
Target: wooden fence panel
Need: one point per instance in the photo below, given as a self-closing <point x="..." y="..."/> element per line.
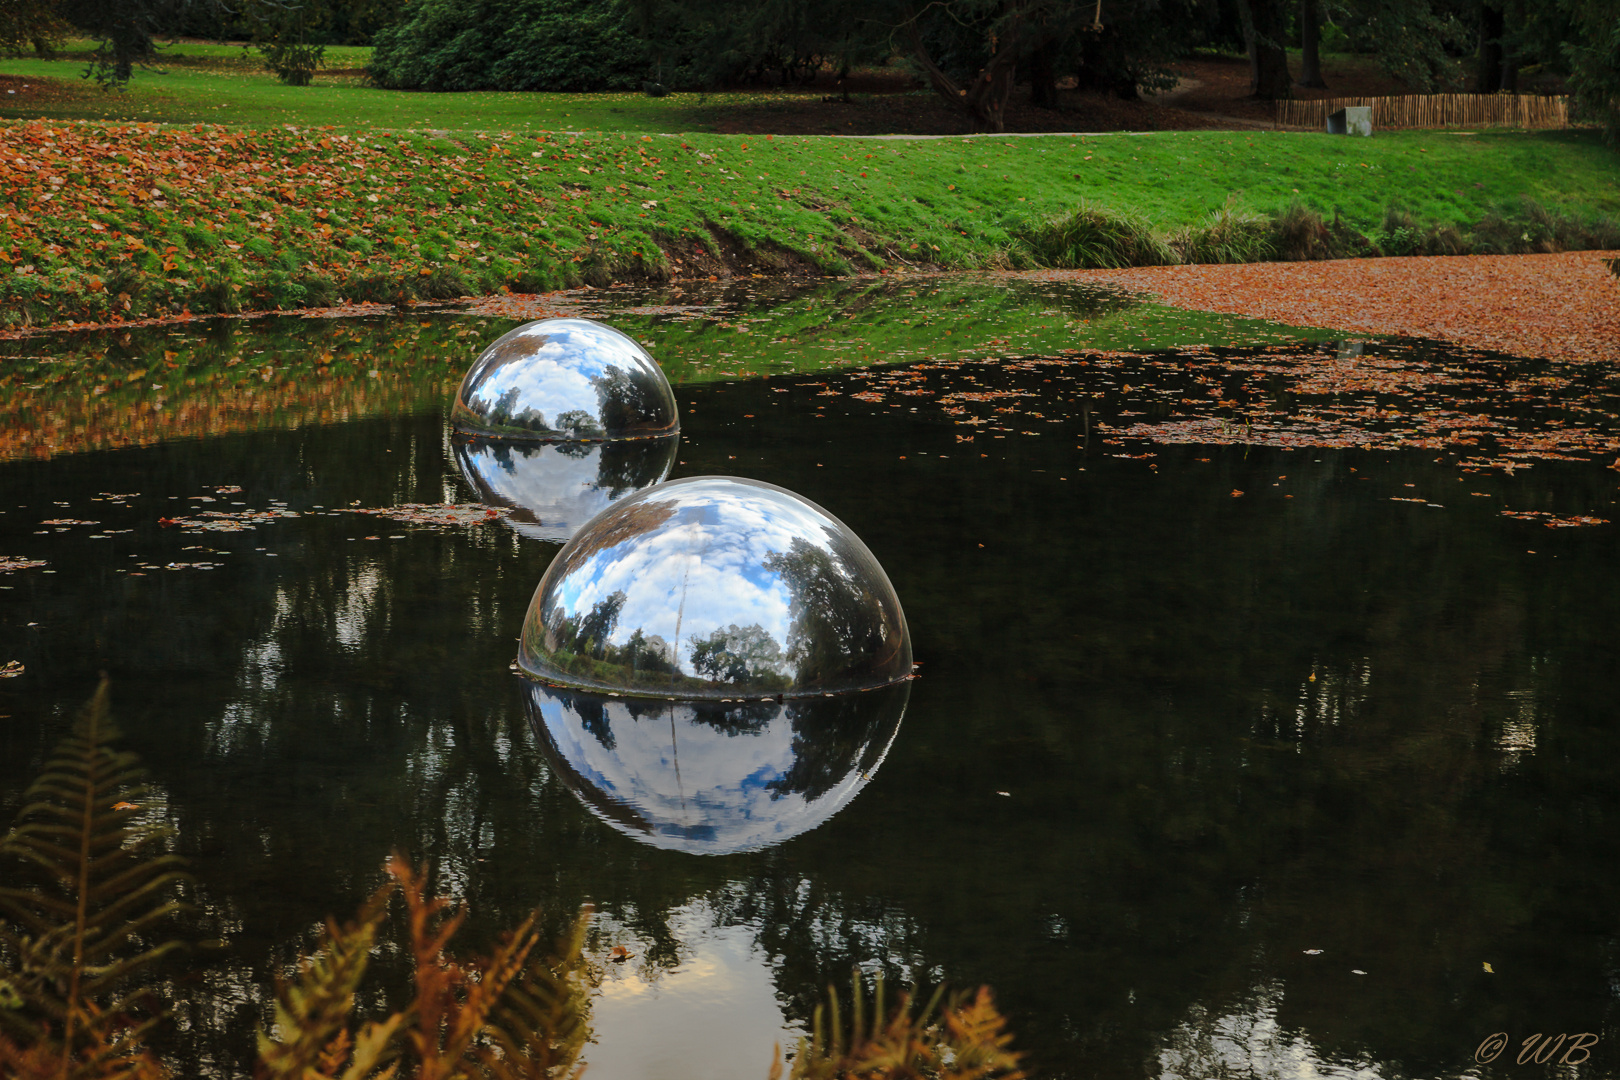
<point x="1435" y="111"/>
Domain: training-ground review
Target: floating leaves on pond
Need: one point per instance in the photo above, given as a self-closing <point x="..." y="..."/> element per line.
<point x="1554" y="521"/>
<point x="455" y="514"/>
<point x="9" y="563"/>
<point x="225" y="520"/>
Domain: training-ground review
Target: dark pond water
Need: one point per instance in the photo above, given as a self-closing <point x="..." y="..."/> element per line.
<point x="1227" y="758"/>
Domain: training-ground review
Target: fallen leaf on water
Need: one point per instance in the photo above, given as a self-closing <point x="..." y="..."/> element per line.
<point x="11" y="669"/>
<point x="433" y="513"/>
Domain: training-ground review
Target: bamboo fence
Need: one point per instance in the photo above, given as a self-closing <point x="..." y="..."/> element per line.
<point x="1435" y="111"/>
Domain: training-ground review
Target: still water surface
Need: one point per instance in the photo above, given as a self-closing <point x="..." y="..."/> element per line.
<point x="1202" y="783"/>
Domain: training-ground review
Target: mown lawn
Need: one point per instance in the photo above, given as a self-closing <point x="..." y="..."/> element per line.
<point x="226" y="84"/>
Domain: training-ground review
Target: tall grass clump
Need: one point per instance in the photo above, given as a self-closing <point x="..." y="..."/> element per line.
<point x="1300" y="234"/>
<point x="1091" y="238"/>
<point x="1403" y="234"/>
<point x="1227" y="235"/>
<point x="1537" y="229"/>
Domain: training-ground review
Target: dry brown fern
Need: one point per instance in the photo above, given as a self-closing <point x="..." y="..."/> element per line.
<point x="504" y="1016"/>
<point x="949" y="1038"/>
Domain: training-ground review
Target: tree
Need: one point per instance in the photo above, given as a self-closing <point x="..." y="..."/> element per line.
<point x="28" y="24"/>
<point x="1416" y="41"/>
<point x="1595" y="62"/>
<point x="1264" y="28"/>
<point x="1310" y="39"/>
<point x="509" y="45"/>
<point x="123" y="31"/>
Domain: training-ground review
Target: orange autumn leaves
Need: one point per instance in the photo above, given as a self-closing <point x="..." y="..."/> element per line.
<point x="1561" y="307"/>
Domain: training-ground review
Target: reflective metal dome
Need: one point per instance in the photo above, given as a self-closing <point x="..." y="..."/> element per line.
<point x="554" y="488"/>
<point x="712" y="777"/>
<point x="716" y="587"/>
<point x="565" y="379"/>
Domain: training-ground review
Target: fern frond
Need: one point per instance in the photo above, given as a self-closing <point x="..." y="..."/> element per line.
<point x="313" y="1010"/>
<point x="540" y="1027"/>
<point x="964" y="1040"/>
<point x="101" y="885"/>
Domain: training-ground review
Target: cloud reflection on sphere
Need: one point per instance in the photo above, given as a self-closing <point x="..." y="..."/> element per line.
<point x="565" y="379"/>
<point x="716" y="587"/>
<point x="712" y="777"/>
<point x="553" y="488"/>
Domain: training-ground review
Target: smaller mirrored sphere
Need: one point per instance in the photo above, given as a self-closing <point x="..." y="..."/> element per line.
<point x="711" y="777"/>
<point x="554" y="488"/>
<point x="565" y="379"/>
<point x="716" y="587"/>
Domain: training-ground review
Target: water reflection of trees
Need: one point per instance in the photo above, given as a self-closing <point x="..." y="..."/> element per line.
<point x="1188" y="810"/>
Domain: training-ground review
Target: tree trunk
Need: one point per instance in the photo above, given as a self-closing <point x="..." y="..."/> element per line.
<point x="1488" y="70"/>
<point x="1310" y="38"/>
<point x="1042" y="78"/>
<point x="1263" y="27"/>
<point x="1510" y="71"/>
<point x="985" y="100"/>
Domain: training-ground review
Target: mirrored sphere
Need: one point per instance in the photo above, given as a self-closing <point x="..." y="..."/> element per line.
<point x="716" y="587"/>
<point x="565" y="379"/>
<point x="713" y="777"/>
<point x="554" y="488"/>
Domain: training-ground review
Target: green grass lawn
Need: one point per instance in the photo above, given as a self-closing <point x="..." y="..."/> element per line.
<point x="225" y="84"/>
<point x="339" y="190"/>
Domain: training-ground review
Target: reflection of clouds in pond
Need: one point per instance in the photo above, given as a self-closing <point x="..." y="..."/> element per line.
<point x="555" y="488"/>
<point x="1250" y="1043"/>
<point x="758" y="591"/>
<point x="712" y="1016"/>
<point x="716" y="777"/>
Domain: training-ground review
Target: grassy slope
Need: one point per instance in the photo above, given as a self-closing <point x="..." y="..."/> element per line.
<point x="314" y="215"/>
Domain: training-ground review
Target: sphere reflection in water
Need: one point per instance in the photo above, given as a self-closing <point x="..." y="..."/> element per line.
<point x="566" y="379"/>
<point x="716" y="587"/>
<point x="713" y="777"/>
<point x="554" y="488"/>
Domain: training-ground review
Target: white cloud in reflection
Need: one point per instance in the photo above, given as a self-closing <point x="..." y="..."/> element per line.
<point x="550" y="382"/>
<point x="704" y="570"/>
<point x="714" y="1016"/>
<point x="1249" y="1043"/>
<point x="695" y="787"/>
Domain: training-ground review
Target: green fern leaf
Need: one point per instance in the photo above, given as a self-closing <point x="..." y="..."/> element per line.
<point x="539" y="1028"/>
<point x="314" y="1009"/>
<point x="87" y="886"/>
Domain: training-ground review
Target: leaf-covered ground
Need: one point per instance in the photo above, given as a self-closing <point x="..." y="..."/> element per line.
<point x="105" y="222"/>
<point x="1562" y="307"/>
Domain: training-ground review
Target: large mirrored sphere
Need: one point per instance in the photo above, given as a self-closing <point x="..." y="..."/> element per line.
<point x="554" y="488"/>
<point x="716" y="587"/>
<point x="713" y="777"/>
<point x="565" y="379"/>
